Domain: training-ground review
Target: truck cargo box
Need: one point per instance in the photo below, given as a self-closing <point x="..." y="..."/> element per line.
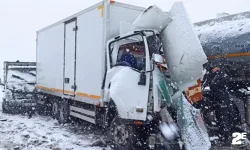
<point x="71" y="52"/>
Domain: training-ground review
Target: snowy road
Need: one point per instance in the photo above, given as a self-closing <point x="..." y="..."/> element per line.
<point x="42" y="133"/>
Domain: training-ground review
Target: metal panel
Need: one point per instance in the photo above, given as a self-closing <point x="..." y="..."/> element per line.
<point x="89" y="53"/>
<point x="50" y="55"/>
<point x="87" y="100"/>
<point x="83" y="111"/>
<point x="128" y="6"/>
<point x="118" y="14"/>
<point x="72" y="16"/>
<point x="89" y="46"/>
<point x="91" y="120"/>
<point x="69" y="58"/>
<point x="89" y="9"/>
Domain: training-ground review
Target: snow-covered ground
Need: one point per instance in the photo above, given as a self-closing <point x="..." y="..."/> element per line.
<point x="42" y="133"/>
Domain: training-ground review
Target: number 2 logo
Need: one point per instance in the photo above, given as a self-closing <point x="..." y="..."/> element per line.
<point x="238" y="137"/>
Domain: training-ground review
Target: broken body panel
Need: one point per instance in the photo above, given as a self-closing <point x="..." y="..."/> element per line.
<point x="19" y="86"/>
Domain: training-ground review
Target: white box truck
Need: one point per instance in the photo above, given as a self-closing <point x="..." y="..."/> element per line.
<point x="87" y="70"/>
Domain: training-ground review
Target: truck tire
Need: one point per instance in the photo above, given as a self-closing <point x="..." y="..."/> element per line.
<point x="55" y="109"/>
<point x="63" y="112"/>
<point x="40" y="109"/>
<point x="123" y="136"/>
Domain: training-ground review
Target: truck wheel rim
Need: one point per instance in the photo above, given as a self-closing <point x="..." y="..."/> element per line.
<point x="55" y="108"/>
<point x="120" y="135"/>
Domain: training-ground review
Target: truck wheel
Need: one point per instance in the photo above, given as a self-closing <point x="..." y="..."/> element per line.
<point x="55" y="109"/>
<point x="123" y="136"/>
<point x="64" y="112"/>
<point x="40" y="109"/>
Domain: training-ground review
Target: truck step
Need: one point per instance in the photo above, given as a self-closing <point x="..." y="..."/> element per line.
<point x="83" y="114"/>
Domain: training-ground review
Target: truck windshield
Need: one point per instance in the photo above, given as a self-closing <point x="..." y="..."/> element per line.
<point x="128" y="51"/>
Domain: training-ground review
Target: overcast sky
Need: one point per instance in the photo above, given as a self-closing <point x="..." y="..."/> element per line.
<point x="20" y="19"/>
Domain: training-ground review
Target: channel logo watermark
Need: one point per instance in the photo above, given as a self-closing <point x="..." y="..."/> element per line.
<point x="238" y="138"/>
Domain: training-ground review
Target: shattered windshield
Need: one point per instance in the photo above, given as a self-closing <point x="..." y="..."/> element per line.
<point x="130" y="52"/>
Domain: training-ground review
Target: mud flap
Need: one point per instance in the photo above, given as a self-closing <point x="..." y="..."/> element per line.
<point x="193" y="131"/>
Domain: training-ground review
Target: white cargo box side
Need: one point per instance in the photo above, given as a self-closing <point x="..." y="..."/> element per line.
<point x="50" y="53"/>
<point x="90" y="47"/>
<point x="89" y="56"/>
<point x="92" y="24"/>
<point x="120" y="12"/>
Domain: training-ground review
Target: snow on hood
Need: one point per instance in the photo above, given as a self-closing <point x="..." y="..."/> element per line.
<point x="218" y="31"/>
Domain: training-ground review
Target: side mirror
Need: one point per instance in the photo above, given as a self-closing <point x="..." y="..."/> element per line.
<point x="142" y="80"/>
<point x="158" y="58"/>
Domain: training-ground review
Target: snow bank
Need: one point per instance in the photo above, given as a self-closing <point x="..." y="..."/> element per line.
<point x="218" y="31"/>
<point x="40" y="133"/>
<point x="43" y="133"/>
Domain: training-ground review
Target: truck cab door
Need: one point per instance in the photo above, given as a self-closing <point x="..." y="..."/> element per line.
<point x="70" y="58"/>
<point x="126" y="58"/>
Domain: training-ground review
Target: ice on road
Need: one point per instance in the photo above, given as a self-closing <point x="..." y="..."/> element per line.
<point x="42" y="133"/>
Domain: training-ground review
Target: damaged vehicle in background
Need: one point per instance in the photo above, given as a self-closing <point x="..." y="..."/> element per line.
<point x="19" y="87"/>
<point x="225" y="41"/>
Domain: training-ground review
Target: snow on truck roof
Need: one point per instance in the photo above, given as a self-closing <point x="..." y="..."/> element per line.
<point x="222" y="28"/>
<point x="91" y="8"/>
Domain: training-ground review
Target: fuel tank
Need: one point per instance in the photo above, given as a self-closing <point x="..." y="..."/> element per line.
<point x="226" y="42"/>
